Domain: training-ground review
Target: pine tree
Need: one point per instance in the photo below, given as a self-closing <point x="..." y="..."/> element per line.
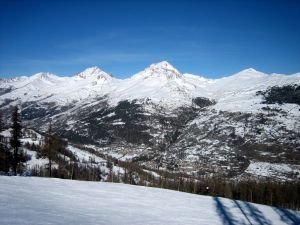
<point x="1" y="127"/>
<point x="3" y="152"/>
<point x="16" y="134"/>
<point x="48" y="148"/>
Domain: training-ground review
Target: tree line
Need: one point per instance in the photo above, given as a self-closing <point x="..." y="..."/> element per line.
<point x="11" y="155"/>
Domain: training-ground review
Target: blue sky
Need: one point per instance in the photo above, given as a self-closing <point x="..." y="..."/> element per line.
<point x="210" y="38"/>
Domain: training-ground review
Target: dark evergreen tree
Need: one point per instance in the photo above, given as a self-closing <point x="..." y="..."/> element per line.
<point x="3" y="151"/>
<point x="48" y="148"/>
<point x="1" y="127"/>
<point x="16" y="134"/>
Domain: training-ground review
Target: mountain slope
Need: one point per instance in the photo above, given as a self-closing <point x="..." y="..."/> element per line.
<point x="162" y="118"/>
<point x="54" y="201"/>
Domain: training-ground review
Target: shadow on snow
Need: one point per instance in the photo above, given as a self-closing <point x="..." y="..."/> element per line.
<point x="252" y="215"/>
<point x="224" y="213"/>
<point x="288" y="216"/>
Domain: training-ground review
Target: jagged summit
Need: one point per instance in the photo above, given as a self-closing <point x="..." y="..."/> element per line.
<point x="43" y="75"/>
<point x="162" y="69"/>
<point x="162" y="65"/>
<point x="94" y="72"/>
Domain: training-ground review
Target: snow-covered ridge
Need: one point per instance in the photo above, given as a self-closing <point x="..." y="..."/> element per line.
<point x="160" y="82"/>
<point x="94" y="72"/>
<point x="162" y="69"/>
<point x="249" y="73"/>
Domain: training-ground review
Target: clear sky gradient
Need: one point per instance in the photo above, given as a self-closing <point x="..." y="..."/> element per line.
<point x="210" y="38"/>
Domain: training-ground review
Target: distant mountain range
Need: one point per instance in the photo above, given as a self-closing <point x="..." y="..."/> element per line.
<point x="161" y="117"/>
<point x="161" y="82"/>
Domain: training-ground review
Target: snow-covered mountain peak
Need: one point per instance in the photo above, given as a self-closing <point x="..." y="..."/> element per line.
<point x="43" y="75"/>
<point x="94" y="72"/>
<point x="249" y="73"/>
<point x="250" y="70"/>
<point x="159" y="70"/>
<point x="42" y="78"/>
<point x="163" y="65"/>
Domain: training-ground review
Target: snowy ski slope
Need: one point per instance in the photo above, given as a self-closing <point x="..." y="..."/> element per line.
<point x="33" y="200"/>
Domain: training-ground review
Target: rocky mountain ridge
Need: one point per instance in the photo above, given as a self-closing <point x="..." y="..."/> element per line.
<point x="163" y="118"/>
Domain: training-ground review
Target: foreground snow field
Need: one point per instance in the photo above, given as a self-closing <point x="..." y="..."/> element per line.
<point x="32" y="200"/>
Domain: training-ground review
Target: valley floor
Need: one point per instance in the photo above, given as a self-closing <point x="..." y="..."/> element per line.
<point x="33" y="200"/>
